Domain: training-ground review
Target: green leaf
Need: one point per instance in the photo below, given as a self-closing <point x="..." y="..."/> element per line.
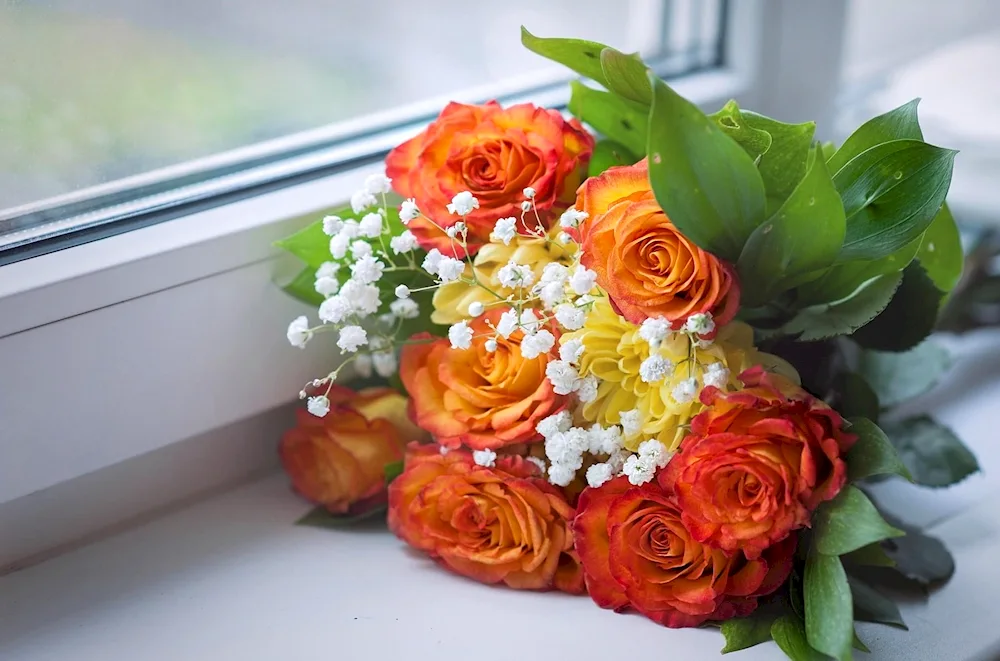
<point x="870" y="555"/>
<point x="931" y="451"/>
<point x="828" y="149"/>
<point x="940" y="251"/>
<point x="780" y="150"/>
<point x="841" y="280"/>
<point x="859" y="644"/>
<point x="871" y="606"/>
<point x="755" y="142"/>
<point x="789" y="633"/>
<point x="872" y="454"/>
<point x="583" y="57"/>
<point x="857" y="399"/>
<point x="744" y="632"/>
<point x="897" y="377"/>
<point x="843" y="317"/>
<point x="309" y="244"/>
<point x="708" y="186"/>
<point x="849" y="522"/>
<point x="920" y="557"/>
<point x="898" y="124"/>
<point x="320" y="517"/>
<point x="392" y="471"/>
<point x="829" y="610"/>
<point x="804" y="235"/>
<point x="303" y="287"/>
<point x="608" y="154"/>
<point x="891" y="193"/>
<point x="626" y="75"/>
<point x="611" y="116"/>
<point x="910" y="316"/>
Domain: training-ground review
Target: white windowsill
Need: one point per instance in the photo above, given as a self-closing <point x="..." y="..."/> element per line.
<point x="232" y="577"/>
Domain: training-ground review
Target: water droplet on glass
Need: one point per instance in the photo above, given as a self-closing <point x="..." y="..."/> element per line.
<point x="656" y="158"/>
<point x="812" y="201"/>
<point x="930" y="247"/>
<point x="898" y="174"/>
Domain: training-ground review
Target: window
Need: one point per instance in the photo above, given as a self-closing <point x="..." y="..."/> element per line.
<point x="112" y="111"/>
<point x="896" y="50"/>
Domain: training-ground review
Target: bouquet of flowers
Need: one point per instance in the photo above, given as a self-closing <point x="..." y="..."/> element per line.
<point x="653" y="362"/>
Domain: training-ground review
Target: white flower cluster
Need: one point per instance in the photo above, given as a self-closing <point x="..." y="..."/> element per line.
<point x="657" y="367"/>
<point x="367" y="249"/>
<point x="566" y="445"/>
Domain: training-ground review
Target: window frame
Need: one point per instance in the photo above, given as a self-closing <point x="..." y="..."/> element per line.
<point x="122" y="346"/>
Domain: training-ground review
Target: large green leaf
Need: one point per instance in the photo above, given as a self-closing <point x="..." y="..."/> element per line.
<point x="873" y="453"/>
<point x="819" y="322"/>
<point x="849" y="522"/>
<point x="609" y="154"/>
<point x="910" y="316"/>
<point x="871" y="606"/>
<point x="580" y="55"/>
<point x="779" y="149"/>
<point x="611" y="116"/>
<point x="940" y="251"/>
<point x="891" y="193"/>
<point x="898" y="124"/>
<point x="303" y="287"/>
<point x="626" y="76"/>
<point x="789" y="633"/>
<point x="743" y="632"/>
<point x="705" y="182"/>
<point x="897" y="377"/>
<point x="841" y="280"/>
<point x="803" y="236"/>
<point x="829" y="609"/>
<point x="309" y="244"/>
<point x="934" y="455"/>
<point x="920" y="557"/>
<point x="755" y="142"/>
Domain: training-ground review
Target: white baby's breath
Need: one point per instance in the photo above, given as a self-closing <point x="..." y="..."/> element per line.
<point x="405" y="308"/>
<point x="450" y="269"/>
<point x="460" y="335"/>
<point x="408" y="211"/>
<point x="362" y="200"/>
<point x="402" y="291"/>
<point x="504" y="230"/>
<point x="463" y="204"/>
<point x="351" y="338"/>
<point x="332" y="225"/>
<point x="486" y="458"/>
<point x="378" y="184"/>
<point x="298" y="332"/>
<point x="582" y="280"/>
<point x="319" y="406"/>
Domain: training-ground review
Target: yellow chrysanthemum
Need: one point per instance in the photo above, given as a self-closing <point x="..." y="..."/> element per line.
<point x="613" y="352"/>
<point x="451" y="301"/>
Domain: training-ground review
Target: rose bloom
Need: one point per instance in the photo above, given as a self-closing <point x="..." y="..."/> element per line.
<point x="504" y="524"/>
<point x="451" y="300"/>
<point x="757" y="463"/>
<point x="483" y="399"/>
<point x="644" y="263"/>
<point x="494" y="153"/>
<point x="338" y="461"/>
<point x="637" y="555"/>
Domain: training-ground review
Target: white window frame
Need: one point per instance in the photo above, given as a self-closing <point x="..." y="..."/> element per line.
<point x="120" y="348"/>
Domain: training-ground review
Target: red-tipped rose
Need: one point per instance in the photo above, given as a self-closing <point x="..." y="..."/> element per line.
<point x="757" y="463"/>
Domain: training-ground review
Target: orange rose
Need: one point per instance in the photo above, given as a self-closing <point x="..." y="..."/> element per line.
<point x="637" y="554"/>
<point x="494" y="153"/>
<point x="504" y="524"/>
<point x="483" y="399"/>
<point x="338" y="460"/>
<point x="644" y="263"/>
<point x="757" y="463"/>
